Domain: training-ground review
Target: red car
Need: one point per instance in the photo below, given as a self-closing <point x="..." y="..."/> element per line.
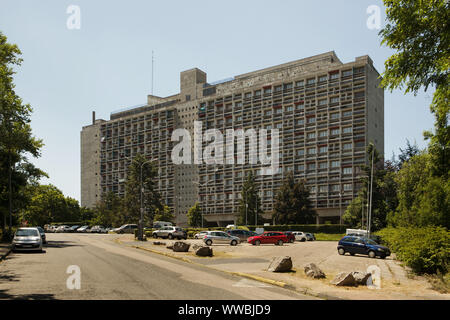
<point x="290" y="236"/>
<point x="272" y="237"/>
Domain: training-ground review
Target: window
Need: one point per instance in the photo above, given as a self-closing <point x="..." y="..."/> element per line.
<point x="312" y="151"/>
<point x="346" y="113"/>
<point x="278" y="110"/>
<point x="300" y="83"/>
<point x="300" y="152"/>
<point x="278" y="89"/>
<point x="334" y="76"/>
<point x="267" y="90"/>
<point x="359" y="94"/>
<point x="334" y="187"/>
<point x="334" y="100"/>
<point x="322" y="102"/>
<point x="248" y="95"/>
<point x="347" y="186"/>
<point x="347" y="130"/>
<point x="323" y="149"/>
<point x="311" y="135"/>
<point x="313" y="189"/>
<point x="334" y="132"/>
<point x="279" y="125"/>
<point x="347" y="146"/>
<point x="301" y="167"/>
<point x="311" y="120"/>
<point x="268" y="113"/>
<point x="311" y="81"/>
<point x="335" y="164"/>
<point x="347" y="73"/>
<point x="257" y="93"/>
<point x="347" y="170"/>
<point x="334" y="115"/>
<point x="322" y="78"/>
<point x="323" y="165"/>
<point x="300" y="122"/>
<point x="290" y="108"/>
<point x="287" y="86"/>
<point x="239" y="118"/>
<point x="312" y="166"/>
<point x="300" y="106"/>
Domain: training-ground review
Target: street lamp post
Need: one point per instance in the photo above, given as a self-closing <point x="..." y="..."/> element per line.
<point x="141" y="221"/>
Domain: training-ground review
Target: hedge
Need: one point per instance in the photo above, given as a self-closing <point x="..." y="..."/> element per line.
<point x="313" y="228"/>
<point x="423" y="249"/>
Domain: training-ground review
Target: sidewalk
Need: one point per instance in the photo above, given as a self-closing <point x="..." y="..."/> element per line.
<point x="245" y="261"/>
<point x="5" y="248"/>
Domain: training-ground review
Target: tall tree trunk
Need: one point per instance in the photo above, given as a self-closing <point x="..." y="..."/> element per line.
<point x="10" y="192"/>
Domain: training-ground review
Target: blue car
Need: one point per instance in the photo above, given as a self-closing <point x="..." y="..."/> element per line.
<point x="360" y="245"/>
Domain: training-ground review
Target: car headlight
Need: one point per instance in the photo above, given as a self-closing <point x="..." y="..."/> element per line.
<point x="379" y="249"/>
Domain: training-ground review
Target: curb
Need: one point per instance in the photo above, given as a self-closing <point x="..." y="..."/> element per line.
<point x="303" y="290"/>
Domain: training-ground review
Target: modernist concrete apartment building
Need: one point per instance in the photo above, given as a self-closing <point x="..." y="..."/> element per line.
<point x="326" y="111"/>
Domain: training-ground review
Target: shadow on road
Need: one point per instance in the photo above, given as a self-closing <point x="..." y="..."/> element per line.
<point x="33" y="296"/>
<point x="62" y="244"/>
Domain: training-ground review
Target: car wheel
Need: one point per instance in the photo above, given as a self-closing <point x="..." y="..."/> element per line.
<point x="208" y="242"/>
<point x="170" y="236"/>
<point x="372" y="254"/>
<point x="352" y="254"/>
<point x="233" y="242"/>
<point x="291" y="241"/>
<point x="280" y="242"/>
<point x="303" y="240"/>
<point x="155" y="236"/>
<point x="383" y="256"/>
<point x="341" y="251"/>
<point x="257" y="243"/>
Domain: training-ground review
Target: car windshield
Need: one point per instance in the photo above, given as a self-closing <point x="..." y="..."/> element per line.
<point x="370" y="241"/>
<point x="27" y="233"/>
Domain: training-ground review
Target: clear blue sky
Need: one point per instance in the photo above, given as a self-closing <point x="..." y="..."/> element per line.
<point x="106" y="65"/>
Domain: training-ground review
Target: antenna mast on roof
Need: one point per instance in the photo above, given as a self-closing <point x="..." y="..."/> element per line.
<point x="152" y="71"/>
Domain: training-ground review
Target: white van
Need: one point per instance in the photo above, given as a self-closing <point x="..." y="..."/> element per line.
<point x="160" y="224"/>
<point x="356" y="232"/>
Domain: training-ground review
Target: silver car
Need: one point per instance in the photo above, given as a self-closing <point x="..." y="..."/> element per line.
<point x="216" y="237"/>
<point x="27" y="239"/>
<point x="170" y="233"/>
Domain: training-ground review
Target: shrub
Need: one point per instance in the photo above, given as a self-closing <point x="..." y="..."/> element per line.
<point x="314" y="228"/>
<point x="424" y="249"/>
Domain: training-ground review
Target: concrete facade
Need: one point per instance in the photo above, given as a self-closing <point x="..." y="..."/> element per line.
<point x="327" y="113"/>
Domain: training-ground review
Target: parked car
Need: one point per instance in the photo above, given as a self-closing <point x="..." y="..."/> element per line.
<point x="126" y="228"/>
<point x="200" y="235"/>
<point x="170" y="233"/>
<point x="243" y="235"/>
<point x="299" y="236"/>
<point x="42" y="233"/>
<point x="73" y="229"/>
<point x="62" y="228"/>
<point x="27" y="239"/>
<point x="290" y="236"/>
<point x="360" y="245"/>
<point x="83" y="229"/>
<point x="216" y="237"/>
<point x="97" y="229"/>
<point x="269" y="237"/>
<point x="310" y="236"/>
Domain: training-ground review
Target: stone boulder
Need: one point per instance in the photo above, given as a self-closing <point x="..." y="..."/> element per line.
<point x="280" y="264"/>
<point x="361" y="277"/>
<point x="203" y="251"/>
<point x="181" y="246"/>
<point x="344" y="279"/>
<point x="157" y="243"/>
<point x="313" y="271"/>
<point x="169" y="246"/>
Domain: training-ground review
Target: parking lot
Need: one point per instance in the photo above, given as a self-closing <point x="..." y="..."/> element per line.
<point x="254" y="260"/>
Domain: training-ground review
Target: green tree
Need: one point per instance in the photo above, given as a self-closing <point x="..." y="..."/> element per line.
<point x="250" y="203"/>
<point x="16" y="139"/>
<point x="424" y="200"/>
<point x="164" y="214"/>
<point x="194" y="215"/>
<point x="292" y="203"/>
<point x="48" y="205"/>
<point x="384" y="198"/>
<point x="108" y="211"/>
<point x="151" y="197"/>
<point x="419" y="32"/>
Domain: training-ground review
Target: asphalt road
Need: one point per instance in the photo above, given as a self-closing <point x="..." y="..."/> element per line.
<point x="110" y="271"/>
